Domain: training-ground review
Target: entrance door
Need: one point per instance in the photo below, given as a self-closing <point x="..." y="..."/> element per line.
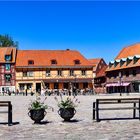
<point x="38" y="87"/>
<point x="56" y="86"/>
<point x="47" y="85"/>
<point x="66" y="85"/>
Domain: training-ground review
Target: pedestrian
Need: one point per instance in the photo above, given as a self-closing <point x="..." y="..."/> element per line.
<point x="17" y="92"/>
<point x="9" y="93"/>
<point x="26" y="92"/>
<point x="43" y="92"/>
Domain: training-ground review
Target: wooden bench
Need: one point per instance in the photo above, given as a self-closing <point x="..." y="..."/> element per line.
<point x="105" y="101"/>
<point x="9" y="111"/>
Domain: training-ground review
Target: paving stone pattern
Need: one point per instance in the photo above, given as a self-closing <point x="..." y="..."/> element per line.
<point x="81" y="128"/>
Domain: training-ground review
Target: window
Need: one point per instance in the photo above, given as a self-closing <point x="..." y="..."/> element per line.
<point x="7" y="66"/>
<point x="83" y="72"/>
<point x="59" y="73"/>
<point x="77" y="62"/>
<point x="71" y="72"/>
<point x="8" y="57"/>
<point x="24" y="74"/>
<point x="8" y="77"/>
<point x="134" y="72"/>
<point x="127" y="73"/>
<point x="28" y="74"/>
<point x="48" y="73"/>
<point x="30" y="62"/>
<point x="53" y="62"/>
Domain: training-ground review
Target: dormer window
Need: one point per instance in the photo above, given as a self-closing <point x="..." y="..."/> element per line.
<point x="111" y="63"/>
<point x="53" y="62"/>
<point x="135" y="60"/>
<point x="30" y="62"/>
<point x="8" y="57"/>
<point x="76" y="62"/>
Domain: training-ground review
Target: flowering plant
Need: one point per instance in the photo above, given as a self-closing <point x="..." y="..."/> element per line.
<point x="38" y="104"/>
<point x="68" y="102"/>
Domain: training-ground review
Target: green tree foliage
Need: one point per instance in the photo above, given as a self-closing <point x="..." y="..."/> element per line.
<point x="7" y="41"/>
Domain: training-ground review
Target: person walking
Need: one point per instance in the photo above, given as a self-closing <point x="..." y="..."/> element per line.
<point x="26" y="93"/>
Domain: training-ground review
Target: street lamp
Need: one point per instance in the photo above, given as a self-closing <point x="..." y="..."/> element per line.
<point x="93" y="86"/>
<point x="75" y="79"/>
<point x="120" y="81"/>
<point x="74" y="89"/>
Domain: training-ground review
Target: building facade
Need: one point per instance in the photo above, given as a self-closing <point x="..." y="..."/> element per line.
<point x="54" y="69"/>
<point x="123" y="73"/>
<point x="99" y="75"/>
<point x="7" y="69"/>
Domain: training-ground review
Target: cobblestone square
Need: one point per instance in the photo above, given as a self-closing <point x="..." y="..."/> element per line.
<point x="81" y="128"/>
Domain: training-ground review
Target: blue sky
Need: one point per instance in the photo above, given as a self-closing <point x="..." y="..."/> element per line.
<point x="96" y="29"/>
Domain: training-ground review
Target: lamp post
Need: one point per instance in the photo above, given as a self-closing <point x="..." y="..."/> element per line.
<point x="74" y="90"/>
<point x="120" y="81"/>
<point x="57" y="87"/>
<point x="93" y="86"/>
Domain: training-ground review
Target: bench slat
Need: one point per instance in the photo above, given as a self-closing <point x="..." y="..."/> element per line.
<point x="114" y="99"/>
<point x="5" y="101"/>
<point x="116" y="102"/>
<point x="3" y="111"/>
<point x="2" y="105"/>
<point x="116" y="108"/>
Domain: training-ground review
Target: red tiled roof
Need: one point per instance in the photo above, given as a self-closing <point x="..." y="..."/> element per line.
<point x="7" y="51"/>
<point x="44" y="57"/>
<point x="101" y="72"/>
<point x="129" y="51"/>
<point x="95" y="61"/>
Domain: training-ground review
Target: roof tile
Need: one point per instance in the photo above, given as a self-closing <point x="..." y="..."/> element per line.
<point x="44" y="57"/>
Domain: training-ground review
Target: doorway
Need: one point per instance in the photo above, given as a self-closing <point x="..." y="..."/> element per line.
<point x="38" y="87"/>
<point x="56" y="86"/>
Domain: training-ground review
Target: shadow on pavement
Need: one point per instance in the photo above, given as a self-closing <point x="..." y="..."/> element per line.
<point x="6" y="123"/>
<point x="72" y="121"/>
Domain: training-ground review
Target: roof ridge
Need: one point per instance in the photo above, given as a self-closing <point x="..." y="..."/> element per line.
<point x="94" y="58"/>
<point x="49" y="50"/>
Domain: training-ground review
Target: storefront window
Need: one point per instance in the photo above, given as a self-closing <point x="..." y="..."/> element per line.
<point x="21" y="86"/>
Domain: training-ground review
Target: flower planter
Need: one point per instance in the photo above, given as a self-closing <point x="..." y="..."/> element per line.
<point x="37" y="115"/>
<point x="66" y="113"/>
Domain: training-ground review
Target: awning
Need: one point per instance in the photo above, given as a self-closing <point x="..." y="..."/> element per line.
<point x="125" y="84"/>
<point x="117" y="84"/>
<point x="111" y="85"/>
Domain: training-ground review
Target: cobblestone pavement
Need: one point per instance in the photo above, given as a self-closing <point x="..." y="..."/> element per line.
<point x="81" y="128"/>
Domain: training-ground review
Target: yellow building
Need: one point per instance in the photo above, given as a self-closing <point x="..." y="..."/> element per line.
<point x="53" y="69"/>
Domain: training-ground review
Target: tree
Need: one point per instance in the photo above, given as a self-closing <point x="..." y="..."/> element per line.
<point x="7" y="41"/>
